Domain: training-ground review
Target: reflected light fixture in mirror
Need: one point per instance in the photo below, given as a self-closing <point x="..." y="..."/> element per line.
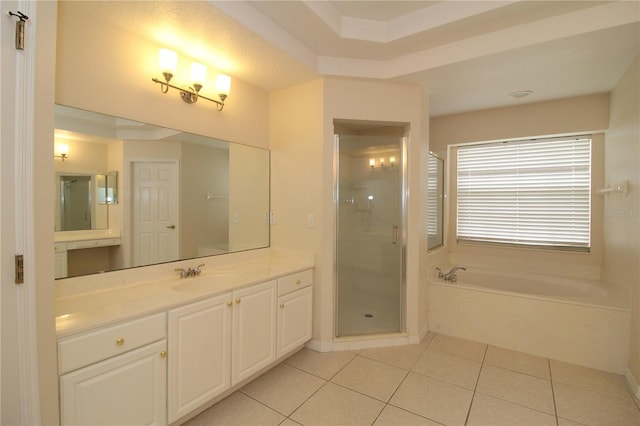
<point x="381" y="163"/>
<point x="168" y="61"/>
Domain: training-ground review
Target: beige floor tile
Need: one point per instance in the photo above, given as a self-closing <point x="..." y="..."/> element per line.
<point x="335" y="405"/>
<point x="518" y="388"/>
<point x="449" y="368"/>
<point x="486" y="410"/>
<point x="322" y="364"/>
<point x="370" y="377"/>
<point x="394" y="416"/>
<point x="398" y="356"/>
<point x="565" y="422"/>
<point x="588" y="378"/>
<point x="283" y="388"/>
<point x="289" y="422"/>
<point x="594" y="408"/>
<point x="237" y="409"/>
<point x="436" y="400"/>
<point x="459" y="347"/>
<point x="518" y="361"/>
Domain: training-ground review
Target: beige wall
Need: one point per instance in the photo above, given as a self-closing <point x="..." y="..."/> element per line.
<point x="302" y="157"/>
<point x="104" y="68"/>
<point x="622" y="214"/>
<point x="580" y="114"/>
<point x="45" y="28"/>
<point x="585" y="114"/>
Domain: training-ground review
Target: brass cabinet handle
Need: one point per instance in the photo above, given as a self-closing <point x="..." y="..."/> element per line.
<point x="230" y="303"/>
<point x="282" y="306"/>
<point x="238" y="300"/>
<point x="298" y="282"/>
<point x="163" y="354"/>
<point x="120" y="341"/>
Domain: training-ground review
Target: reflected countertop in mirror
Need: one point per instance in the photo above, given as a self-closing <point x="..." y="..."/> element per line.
<point x="179" y="195"/>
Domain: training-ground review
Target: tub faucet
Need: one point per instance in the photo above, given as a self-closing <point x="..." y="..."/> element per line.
<point x="451" y="275"/>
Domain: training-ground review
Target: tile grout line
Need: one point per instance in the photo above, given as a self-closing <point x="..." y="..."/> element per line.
<point x="475" y="388"/>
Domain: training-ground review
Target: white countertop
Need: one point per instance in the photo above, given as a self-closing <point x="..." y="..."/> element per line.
<point x="86" y="234"/>
<point x="82" y="312"/>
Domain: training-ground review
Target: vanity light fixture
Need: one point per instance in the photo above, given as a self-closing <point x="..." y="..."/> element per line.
<point x="168" y="61"/>
<point x="64" y="151"/>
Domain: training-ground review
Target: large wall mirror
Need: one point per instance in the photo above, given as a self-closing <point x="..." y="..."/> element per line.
<point x="435" y="203"/>
<point x="131" y="194"/>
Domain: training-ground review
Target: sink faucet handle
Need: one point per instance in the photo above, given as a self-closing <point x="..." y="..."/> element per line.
<point x="184" y="273"/>
<point x="198" y="269"/>
<point x="440" y="274"/>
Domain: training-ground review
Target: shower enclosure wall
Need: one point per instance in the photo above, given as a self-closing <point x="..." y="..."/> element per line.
<point x="369" y="234"/>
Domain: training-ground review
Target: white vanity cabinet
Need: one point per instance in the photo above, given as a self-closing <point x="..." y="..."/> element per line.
<point x="295" y="306"/>
<point x="115" y="375"/>
<point x="200" y="353"/>
<point x="216" y="343"/>
<point x="254" y="330"/>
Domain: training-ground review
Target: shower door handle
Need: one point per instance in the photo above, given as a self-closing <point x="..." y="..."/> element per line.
<point x="394" y="234"/>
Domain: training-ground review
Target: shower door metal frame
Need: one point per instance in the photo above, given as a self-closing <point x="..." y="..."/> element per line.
<point x="403" y="232"/>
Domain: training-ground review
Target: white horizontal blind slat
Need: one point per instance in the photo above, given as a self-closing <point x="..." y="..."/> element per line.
<point x="526" y="192"/>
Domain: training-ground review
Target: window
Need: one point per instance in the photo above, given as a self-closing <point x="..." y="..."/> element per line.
<point x="530" y="193"/>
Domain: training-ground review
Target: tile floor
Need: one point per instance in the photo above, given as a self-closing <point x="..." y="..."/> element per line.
<point x="442" y="381"/>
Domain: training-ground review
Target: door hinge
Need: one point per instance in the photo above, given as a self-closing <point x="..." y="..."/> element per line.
<point x="19" y="28"/>
<point x="19" y="269"/>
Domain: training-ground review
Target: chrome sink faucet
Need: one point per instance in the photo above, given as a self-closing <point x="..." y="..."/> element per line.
<point x="190" y="272"/>
<point x="451" y="275"/>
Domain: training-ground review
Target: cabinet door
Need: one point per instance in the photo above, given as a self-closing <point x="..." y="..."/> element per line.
<point x="254" y="330"/>
<point x="294" y="320"/>
<point x="128" y="389"/>
<point x="199" y="354"/>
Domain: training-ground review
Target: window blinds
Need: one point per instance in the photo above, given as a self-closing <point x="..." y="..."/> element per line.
<point x="526" y="192"/>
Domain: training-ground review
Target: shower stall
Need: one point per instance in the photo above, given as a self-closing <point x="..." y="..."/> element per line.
<point x="370" y="234"/>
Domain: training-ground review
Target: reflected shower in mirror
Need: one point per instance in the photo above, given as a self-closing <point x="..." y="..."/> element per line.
<point x="435" y="191"/>
<point x="132" y="194"/>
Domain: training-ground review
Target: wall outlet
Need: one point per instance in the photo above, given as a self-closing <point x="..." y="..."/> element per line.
<point x="311" y="220"/>
<point x="272" y="218"/>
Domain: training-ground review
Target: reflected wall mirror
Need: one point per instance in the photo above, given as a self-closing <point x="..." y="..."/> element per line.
<point x="435" y="203"/>
<point x="131" y="194"/>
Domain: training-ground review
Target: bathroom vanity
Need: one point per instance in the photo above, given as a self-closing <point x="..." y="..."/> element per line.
<point x="159" y="351"/>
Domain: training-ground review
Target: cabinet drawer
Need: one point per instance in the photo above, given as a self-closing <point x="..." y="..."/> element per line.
<point x="294" y="282"/>
<point x="79" y="351"/>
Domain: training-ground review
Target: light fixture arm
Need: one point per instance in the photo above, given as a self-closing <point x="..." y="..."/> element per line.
<point x="190" y="95"/>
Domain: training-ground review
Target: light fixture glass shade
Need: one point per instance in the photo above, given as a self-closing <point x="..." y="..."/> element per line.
<point x="168" y="61"/>
<point x="372" y="162"/>
<point x="198" y="73"/>
<point x="63" y="149"/>
<point x="223" y="85"/>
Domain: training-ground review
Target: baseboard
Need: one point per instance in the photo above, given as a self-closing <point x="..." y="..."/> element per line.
<point x="632" y="383"/>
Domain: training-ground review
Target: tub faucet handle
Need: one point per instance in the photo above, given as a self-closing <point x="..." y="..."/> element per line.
<point x="440" y="274"/>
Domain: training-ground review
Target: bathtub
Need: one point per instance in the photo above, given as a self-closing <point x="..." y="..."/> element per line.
<point x="583" y="322"/>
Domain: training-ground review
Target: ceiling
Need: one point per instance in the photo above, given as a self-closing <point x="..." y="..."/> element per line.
<point x="467" y="55"/>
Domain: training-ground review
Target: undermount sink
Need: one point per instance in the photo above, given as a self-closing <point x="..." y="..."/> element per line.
<point x="205" y="280"/>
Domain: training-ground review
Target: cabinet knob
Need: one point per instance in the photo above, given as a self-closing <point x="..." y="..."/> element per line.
<point x="282" y="306"/>
<point x="163" y="354"/>
<point x="238" y="300"/>
<point x="230" y="303"/>
<point x="298" y="282"/>
<point x="120" y="341"/>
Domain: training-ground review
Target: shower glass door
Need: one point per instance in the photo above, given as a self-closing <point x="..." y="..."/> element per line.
<point x="370" y="237"/>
